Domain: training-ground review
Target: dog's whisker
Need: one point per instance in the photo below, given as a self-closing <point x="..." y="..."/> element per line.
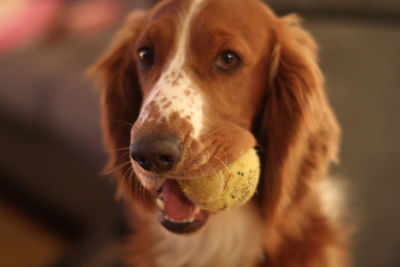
<point x="126" y="172"/>
<point x="202" y="177"/>
<point x="141" y="188"/>
<point x="125" y="179"/>
<point x="224" y="164"/>
<point x="119" y="166"/>
<point x="220" y="177"/>
<point x="124" y="122"/>
<point x="126" y="148"/>
<point x="134" y="182"/>
<point x="213" y="132"/>
<point x="225" y="154"/>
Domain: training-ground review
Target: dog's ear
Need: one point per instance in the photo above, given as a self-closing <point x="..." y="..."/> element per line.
<point x="120" y="101"/>
<point x="298" y="134"/>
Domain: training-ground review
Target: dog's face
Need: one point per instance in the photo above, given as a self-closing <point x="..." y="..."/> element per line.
<point x="202" y="82"/>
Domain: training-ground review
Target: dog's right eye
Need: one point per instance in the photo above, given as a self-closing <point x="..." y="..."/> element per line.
<point x="146" y="56"/>
<point x="227" y="61"/>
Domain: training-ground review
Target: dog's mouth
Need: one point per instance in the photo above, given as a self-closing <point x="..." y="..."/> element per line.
<point x="177" y="213"/>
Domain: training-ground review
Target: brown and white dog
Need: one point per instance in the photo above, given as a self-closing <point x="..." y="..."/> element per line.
<point x="189" y="86"/>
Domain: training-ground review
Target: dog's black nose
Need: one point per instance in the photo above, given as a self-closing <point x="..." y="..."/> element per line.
<point x="156" y="153"/>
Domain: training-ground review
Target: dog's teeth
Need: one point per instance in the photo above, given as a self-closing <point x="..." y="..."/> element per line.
<point x="190" y="220"/>
<point x="160" y="203"/>
<point x="168" y="218"/>
<point x="175" y="221"/>
<point x="197" y="209"/>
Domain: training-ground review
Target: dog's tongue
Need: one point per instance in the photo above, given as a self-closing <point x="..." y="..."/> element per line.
<point x="177" y="206"/>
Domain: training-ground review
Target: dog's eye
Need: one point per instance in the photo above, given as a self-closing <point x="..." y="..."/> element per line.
<point x="146" y="56"/>
<point x="227" y="60"/>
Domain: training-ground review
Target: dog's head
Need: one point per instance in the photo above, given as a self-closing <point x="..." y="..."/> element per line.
<point x="191" y="85"/>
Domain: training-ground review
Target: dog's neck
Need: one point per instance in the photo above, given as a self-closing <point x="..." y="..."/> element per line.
<point x="230" y="238"/>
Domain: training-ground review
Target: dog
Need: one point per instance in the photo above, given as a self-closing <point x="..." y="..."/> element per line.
<point x="186" y="88"/>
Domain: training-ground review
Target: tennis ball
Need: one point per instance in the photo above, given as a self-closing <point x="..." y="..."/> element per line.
<point x="230" y="187"/>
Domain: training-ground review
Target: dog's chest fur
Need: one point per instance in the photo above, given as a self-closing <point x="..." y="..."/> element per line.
<point x="230" y="238"/>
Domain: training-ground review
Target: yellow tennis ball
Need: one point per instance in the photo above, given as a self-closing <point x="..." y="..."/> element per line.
<point x="227" y="188"/>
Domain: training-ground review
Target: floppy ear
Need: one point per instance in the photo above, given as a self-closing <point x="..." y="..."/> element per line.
<point x="120" y="101"/>
<point x="299" y="134"/>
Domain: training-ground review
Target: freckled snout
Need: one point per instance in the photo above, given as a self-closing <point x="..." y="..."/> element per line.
<point x="156" y="153"/>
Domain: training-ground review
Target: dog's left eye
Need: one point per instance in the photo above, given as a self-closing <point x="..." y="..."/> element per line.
<point x="227" y="60"/>
<point x="146" y="56"/>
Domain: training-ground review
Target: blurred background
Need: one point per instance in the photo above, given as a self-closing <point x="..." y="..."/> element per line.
<point x="55" y="208"/>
